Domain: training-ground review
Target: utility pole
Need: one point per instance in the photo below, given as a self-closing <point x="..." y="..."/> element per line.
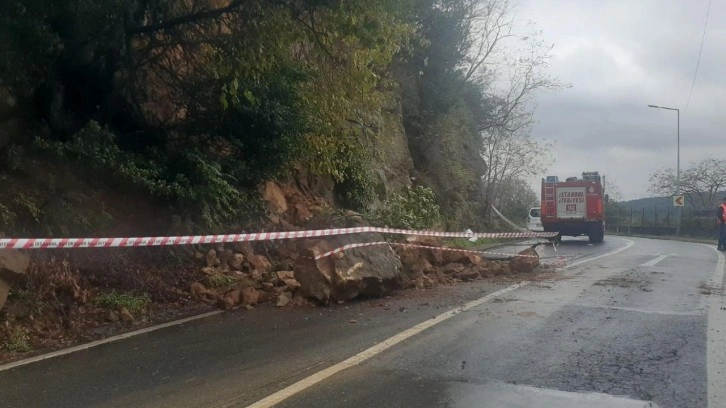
<point x="678" y="158"/>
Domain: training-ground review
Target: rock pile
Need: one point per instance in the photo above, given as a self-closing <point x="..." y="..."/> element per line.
<point x="241" y="277"/>
<point x="427" y="267"/>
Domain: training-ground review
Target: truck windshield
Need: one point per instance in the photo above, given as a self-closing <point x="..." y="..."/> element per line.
<point x="534" y="212"/>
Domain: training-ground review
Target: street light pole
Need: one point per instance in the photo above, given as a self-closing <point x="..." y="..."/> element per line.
<point x="678" y="157"/>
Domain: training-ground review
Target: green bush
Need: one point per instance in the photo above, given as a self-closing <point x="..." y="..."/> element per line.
<point x="132" y="302"/>
<point x="415" y="208"/>
<point x="219" y="280"/>
<point x="196" y="186"/>
<point x="17" y="341"/>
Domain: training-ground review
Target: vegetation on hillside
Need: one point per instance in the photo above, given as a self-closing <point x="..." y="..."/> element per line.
<point x="193" y="103"/>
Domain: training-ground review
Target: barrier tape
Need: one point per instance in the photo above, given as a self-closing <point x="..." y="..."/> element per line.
<point x="365" y="244"/>
<point x="52" y="243"/>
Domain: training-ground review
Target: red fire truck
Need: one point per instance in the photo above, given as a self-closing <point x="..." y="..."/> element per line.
<point x="574" y="207"/>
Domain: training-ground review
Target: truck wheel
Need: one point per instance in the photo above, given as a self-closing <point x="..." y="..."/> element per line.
<point x="596" y="234"/>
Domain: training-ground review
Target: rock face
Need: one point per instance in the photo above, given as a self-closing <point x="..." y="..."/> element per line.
<point x="525" y="262"/>
<point x="391" y="169"/>
<point x="13" y="265"/>
<point x="366" y="271"/>
<point x="273" y="195"/>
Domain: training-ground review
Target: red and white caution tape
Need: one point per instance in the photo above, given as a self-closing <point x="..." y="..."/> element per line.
<point x="365" y="244"/>
<point x="49" y="243"/>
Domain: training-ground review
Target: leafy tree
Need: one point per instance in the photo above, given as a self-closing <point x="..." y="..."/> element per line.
<point x="415" y="208"/>
<point x="195" y="103"/>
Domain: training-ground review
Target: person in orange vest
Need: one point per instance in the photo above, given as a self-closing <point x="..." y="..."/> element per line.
<point x="721" y="214"/>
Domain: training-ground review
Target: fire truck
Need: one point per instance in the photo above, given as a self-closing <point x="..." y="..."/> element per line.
<point x="575" y="206"/>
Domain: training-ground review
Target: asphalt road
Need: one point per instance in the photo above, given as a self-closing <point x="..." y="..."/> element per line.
<point x="630" y="323"/>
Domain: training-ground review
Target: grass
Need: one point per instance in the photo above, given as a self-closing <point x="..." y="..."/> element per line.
<point x="219" y="280"/>
<point x="134" y="303"/>
<point x="17" y="341"/>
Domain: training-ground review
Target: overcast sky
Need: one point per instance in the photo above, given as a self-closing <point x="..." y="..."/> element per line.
<point x="619" y="56"/>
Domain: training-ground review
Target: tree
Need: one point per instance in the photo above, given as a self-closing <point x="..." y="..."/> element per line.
<point x="198" y="101"/>
<point x="613" y="197"/>
<point x="510" y="70"/>
<point x="472" y="69"/>
<point x="701" y="182"/>
<point x="510" y="156"/>
<point x="516" y="197"/>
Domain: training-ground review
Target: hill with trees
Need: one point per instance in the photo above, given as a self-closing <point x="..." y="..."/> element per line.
<point x="183" y="109"/>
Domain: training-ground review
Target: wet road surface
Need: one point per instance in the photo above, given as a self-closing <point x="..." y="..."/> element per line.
<point x="629" y="323"/>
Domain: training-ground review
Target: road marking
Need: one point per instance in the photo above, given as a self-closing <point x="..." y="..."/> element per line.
<point x="716" y="339"/>
<point x="106" y="341"/>
<point x="656" y="260"/>
<point x="364" y="355"/>
<point x="500" y="394"/>
<point x="637" y="310"/>
<point x="628" y="244"/>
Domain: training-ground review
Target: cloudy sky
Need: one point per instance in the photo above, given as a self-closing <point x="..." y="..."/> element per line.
<point x="619" y="56"/>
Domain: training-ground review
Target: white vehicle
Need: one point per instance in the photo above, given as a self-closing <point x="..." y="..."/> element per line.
<point x="534" y="222"/>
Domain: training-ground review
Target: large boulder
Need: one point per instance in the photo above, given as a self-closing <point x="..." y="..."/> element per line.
<point x="366" y="271"/>
<point x="13" y="266"/>
<point x="525" y="262"/>
<point x="411" y="254"/>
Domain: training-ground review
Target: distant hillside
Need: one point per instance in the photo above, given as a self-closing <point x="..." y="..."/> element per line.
<point x="647" y="202"/>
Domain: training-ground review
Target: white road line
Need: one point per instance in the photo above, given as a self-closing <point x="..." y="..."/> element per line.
<point x="628" y="244"/>
<point x="646" y="311"/>
<point x="656" y="260"/>
<point x="105" y="341"/>
<point x="364" y="355"/>
<point x="716" y="339"/>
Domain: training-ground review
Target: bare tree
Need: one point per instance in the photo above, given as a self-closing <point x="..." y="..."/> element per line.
<point x="511" y="69"/>
<point x="516" y="197"/>
<point x="488" y="23"/>
<point x="612" y="190"/>
<point x="701" y="182"/>
<point x="511" y="156"/>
